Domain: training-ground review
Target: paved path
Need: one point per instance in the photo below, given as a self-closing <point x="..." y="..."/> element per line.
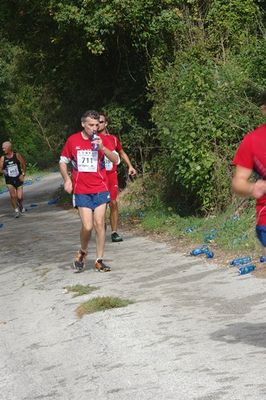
<point x="195" y="332"/>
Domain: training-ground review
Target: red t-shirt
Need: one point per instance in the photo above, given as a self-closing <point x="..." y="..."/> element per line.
<point x="113" y="144"/>
<point x="88" y="169"/>
<point x="251" y="154"/>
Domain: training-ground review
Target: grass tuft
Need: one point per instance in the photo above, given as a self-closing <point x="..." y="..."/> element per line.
<point x="80" y="290"/>
<point x="101" y="304"/>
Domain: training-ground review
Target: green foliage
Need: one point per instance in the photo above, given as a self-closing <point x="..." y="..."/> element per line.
<point x="206" y="111"/>
<point x="28" y="113"/>
<point x="230" y="231"/>
<point x="139" y="142"/>
<point x="197" y="67"/>
<point x="101" y="304"/>
<point x="231" y="23"/>
<point x="141" y="21"/>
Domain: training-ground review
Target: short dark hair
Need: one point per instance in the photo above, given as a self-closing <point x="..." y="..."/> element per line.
<point x="105" y="116"/>
<point x="90" y="114"/>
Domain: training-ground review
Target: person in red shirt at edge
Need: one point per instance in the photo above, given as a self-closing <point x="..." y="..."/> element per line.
<point x="111" y="172"/>
<point x="86" y="151"/>
<point x="251" y="157"/>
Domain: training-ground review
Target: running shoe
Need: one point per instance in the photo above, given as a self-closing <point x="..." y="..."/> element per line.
<point x="79" y="261"/>
<point x="16" y="214"/>
<point x="101" y="267"/>
<point x="116" y="238"/>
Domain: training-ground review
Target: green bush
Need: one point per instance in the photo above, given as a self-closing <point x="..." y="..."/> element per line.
<point x="203" y="110"/>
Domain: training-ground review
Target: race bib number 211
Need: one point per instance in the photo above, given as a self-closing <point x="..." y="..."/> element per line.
<point x="87" y="160"/>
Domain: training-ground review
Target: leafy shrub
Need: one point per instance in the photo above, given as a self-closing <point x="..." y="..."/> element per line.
<point x="204" y="111"/>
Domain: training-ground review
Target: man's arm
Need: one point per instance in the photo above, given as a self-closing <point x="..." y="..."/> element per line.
<point x="2" y="165"/>
<point x="64" y="172"/>
<point x="243" y="187"/>
<point x="112" y="156"/>
<point x="124" y="156"/>
<point x="22" y="162"/>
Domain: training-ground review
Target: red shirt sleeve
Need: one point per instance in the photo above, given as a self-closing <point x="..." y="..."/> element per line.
<point x="66" y="151"/>
<point x="244" y="154"/>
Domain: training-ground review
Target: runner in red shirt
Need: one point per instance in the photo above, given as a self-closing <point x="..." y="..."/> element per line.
<point x="85" y="151"/>
<point x="111" y="171"/>
<point x="251" y="157"/>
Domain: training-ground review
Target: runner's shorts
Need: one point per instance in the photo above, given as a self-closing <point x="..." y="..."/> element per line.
<point x="91" y="201"/>
<point x="14" y="182"/>
<point x="112" y="184"/>
<point x="261" y="234"/>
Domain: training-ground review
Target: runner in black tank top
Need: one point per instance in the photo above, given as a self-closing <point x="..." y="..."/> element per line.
<point x="13" y="166"/>
<point x="12" y="170"/>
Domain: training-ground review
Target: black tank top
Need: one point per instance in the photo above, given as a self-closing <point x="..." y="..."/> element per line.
<point x="12" y="166"/>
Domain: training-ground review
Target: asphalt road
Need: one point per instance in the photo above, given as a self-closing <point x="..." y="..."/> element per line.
<point x="195" y="332"/>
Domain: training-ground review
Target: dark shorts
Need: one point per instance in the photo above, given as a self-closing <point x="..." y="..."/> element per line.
<point x="91" y="201"/>
<point x="261" y="234"/>
<point x="13" y="182"/>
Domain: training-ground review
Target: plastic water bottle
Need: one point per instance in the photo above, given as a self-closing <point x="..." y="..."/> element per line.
<point x="202" y="250"/>
<point x="262" y="259"/>
<point x="199" y="250"/>
<point x="53" y="201"/>
<point x="210" y="254"/>
<point x="94" y="145"/>
<point x="240" y="261"/>
<point x="189" y="230"/>
<point x="246" y="270"/>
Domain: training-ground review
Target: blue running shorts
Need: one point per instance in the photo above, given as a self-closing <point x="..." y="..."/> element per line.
<point x="261" y="234"/>
<point x="91" y="201"/>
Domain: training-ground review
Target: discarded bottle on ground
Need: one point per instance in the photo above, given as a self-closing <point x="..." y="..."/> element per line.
<point x="189" y="230"/>
<point x="262" y="259"/>
<point x="199" y="250"/>
<point x="210" y="254"/>
<point x="202" y="250"/>
<point x="240" y="261"/>
<point x="246" y="270"/>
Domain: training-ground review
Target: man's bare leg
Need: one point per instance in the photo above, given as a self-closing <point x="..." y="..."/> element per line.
<point x="14" y="199"/>
<point x="99" y="217"/>
<point x="86" y="217"/>
<point x="114" y="215"/>
<point x="114" y="221"/>
<point x="13" y="196"/>
<point x="20" y="199"/>
<point x="99" y="214"/>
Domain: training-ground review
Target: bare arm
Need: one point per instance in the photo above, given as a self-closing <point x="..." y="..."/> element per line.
<point x="108" y="153"/>
<point x="124" y="156"/>
<point x="22" y="162"/>
<point x="1" y="165"/>
<point x="67" y="181"/>
<point x="111" y="155"/>
<point x="242" y="186"/>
